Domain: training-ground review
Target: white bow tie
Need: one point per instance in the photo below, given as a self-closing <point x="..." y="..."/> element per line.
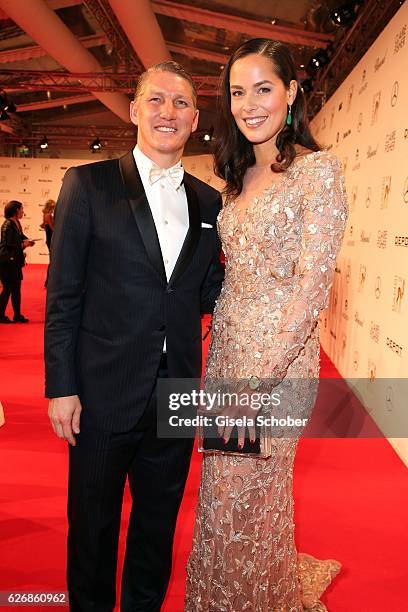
<point x="174" y="175"/>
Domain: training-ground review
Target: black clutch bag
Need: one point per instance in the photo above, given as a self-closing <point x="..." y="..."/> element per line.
<point x="209" y="441"/>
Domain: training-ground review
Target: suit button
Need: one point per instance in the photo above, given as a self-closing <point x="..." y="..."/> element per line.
<point x="162" y="328"/>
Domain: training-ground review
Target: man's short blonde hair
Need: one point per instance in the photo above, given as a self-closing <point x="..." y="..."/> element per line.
<point x="168" y="66"/>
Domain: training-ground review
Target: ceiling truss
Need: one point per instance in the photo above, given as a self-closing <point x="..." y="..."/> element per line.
<point x="38" y="80"/>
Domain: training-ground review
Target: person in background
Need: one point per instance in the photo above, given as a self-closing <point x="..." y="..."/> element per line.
<point x="48" y="221"/>
<point x="12" y="259"/>
<point x="48" y="226"/>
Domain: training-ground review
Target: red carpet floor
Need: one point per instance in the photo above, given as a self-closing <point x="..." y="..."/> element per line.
<point x="351" y="495"/>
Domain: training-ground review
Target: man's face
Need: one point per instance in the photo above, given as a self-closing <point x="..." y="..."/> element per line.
<point x="165" y="115"/>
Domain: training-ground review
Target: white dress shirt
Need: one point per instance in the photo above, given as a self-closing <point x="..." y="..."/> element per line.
<point x="169" y="210"/>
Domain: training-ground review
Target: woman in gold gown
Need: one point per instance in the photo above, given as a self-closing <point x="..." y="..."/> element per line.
<point x="281" y="228"/>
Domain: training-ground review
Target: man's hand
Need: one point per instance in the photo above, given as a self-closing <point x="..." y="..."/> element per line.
<point x="65" y="413"/>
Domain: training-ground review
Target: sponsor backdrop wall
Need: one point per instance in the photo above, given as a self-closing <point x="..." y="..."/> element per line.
<point x="33" y="181"/>
<point x="365" y="329"/>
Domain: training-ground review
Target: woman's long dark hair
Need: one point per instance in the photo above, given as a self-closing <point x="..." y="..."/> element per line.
<point x="233" y="153"/>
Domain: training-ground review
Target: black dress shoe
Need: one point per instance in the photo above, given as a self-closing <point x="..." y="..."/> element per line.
<point x="5" y="320"/>
<point x="20" y="319"/>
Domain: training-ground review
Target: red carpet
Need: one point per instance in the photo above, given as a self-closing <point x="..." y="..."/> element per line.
<point x="351" y="495"/>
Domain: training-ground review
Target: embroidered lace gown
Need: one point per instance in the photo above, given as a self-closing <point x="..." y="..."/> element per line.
<point x="279" y="265"/>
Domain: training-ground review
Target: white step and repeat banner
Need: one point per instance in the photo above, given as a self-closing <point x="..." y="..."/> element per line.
<point x="365" y="329"/>
<point x="33" y="181"/>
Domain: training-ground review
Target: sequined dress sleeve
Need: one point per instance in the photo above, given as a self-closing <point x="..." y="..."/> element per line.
<point x="324" y="219"/>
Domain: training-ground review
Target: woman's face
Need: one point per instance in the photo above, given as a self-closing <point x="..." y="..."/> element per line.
<point x="20" y="212"/>
<point x="259" y="99"/>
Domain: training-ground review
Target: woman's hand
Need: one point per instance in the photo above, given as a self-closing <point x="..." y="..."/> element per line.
<point x="28" y="243"/>
<point x="241" y="414"/>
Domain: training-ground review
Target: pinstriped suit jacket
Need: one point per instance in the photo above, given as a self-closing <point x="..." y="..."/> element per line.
<point x="109" y="305"/>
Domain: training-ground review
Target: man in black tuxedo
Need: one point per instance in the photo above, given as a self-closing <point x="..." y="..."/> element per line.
<point x="134" y="263"/>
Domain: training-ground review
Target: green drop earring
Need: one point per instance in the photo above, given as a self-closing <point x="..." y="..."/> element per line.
<point x="289" y="117"/>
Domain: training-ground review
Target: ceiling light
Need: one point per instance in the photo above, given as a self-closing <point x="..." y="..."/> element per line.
<point x="319" y="60"/>
<point x="11" y="107"/>
<point x="345" y="15"/>
<point x="96" y="145"/>
<point x="6" y="105"/>
<point x="44" y="143"/>
<point x="207" y="135"/>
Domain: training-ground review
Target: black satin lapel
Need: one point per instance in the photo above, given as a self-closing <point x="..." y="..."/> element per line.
<point x="141" y="211"/>
<point x="193" y="235"/>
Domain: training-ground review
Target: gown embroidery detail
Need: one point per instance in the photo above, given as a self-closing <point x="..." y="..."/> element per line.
<point x="279" y="267"/>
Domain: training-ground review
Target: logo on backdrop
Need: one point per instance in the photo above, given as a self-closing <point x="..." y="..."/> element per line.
<point x="371" y="152"/>
<point x="348" y="272"/>
<point x="332" y="116"/>
<point x="389" y="399"/>
<point x="401" y="241"/>
<point x="405" y="191"/>
<point x="374" y="332"/>
<point x="394" y="93"/>
<point x="45" y="193"/>
<point x="360" y="122"/>
<point x="394" y="346"/>
<point x="351" y="241"/>
<point x="362" y="277"/>
<point x="358" y="320"/>
<point x="377" y="288"/>
<point x="364" y="237"/>
<point x="368" y="197"/>
<point x="363" y="82"/>
<point x="345" y="314"/>
<point x="354" y="192"/>
<point x="356" y="359"/>
<point x="390" y="141"/>
<point x="380" y="62"/>
<point x="372" y="370"/>
<point x="382" y="239"/>
<point x="45" y="168"/>
<point x="399" y="290"/>
<point x="376" y="107"/>
<point x="386" y="188"/>
<point x="343" y="344"/>
<point x="356" y="159"/>
<point x="24" y="178"/>
<point x="350" y="97"/>
<point x="400" y="39"/>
